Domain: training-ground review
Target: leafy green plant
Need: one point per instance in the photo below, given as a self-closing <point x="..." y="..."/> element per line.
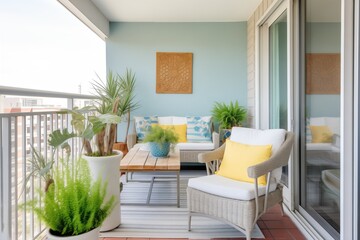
<point x="160" y="135"/>
<point x="74" y="203"/>
<point x="229" y="115"/>
<point x="114" y="100"/>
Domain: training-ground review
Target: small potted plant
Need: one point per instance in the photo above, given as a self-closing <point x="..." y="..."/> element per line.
<point x="160" y="139"/>
<point x="74" y="205"/>
<point x="228" y="116"/>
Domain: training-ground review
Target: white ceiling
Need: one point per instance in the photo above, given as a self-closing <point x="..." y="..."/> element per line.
<point x="177" y="10"/>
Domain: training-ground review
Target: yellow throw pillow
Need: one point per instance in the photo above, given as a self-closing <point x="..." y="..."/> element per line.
<point x="238" y="157"/>
<point x="180" y="130"/>
<point x="321" y="134"/>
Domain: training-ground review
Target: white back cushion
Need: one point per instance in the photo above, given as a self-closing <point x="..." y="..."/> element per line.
<point x="251" y="136"/>
<point x="165" y="120"/>
<point x="179" y="120"/>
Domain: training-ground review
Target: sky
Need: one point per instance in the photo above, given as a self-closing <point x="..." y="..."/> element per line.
<point x="43" y="46"/>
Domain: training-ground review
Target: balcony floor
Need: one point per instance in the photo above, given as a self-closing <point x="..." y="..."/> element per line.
<point x="272" y="224"/>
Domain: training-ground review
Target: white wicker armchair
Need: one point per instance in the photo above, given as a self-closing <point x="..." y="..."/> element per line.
<point x="240" y="204"/>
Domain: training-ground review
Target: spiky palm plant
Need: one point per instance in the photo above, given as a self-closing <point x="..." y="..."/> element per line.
<point x="114" y="100"/>
<point x="229" y="115"/>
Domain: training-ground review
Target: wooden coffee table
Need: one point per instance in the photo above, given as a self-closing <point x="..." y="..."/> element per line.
<point x="138" y="160"/>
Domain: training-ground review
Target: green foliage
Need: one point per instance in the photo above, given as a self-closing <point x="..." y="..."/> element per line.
<point x="114" y="100"/>
<point x="160" y="135"/>
<point x="230" y="115"/>
<point x="73" y="204"/>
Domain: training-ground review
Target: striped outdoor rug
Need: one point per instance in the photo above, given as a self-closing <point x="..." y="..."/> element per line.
<point x="159" y="221"/>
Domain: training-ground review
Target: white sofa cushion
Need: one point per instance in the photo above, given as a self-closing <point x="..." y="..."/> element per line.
<point x="165" y="120"/>
<point x="275" y="137"/>
<point x="226" y="187"/>
<point x="195" y="146"/>
<point x="319" y="146"/>
<point x="179" y="120"/>
<point x="183" y="146"/>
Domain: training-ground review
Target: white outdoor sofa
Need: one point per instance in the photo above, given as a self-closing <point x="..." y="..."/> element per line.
<point x="198" y="139"/>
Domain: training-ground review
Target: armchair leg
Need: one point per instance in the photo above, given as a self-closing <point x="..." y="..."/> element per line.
<point x="189" y="222"/>
<point x="281" y="208"/>
<point x="248" y="234"/>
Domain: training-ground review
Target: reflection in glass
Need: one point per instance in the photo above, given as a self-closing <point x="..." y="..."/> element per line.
<point x="278" y="77"/>
<point x="321" y="177"/>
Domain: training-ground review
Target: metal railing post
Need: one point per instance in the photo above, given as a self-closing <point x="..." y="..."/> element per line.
<point x="5" y="179"/>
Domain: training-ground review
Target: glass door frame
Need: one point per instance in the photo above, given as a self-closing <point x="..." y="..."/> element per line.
<point x="262" y="109"/>
<point x="350" y="115"/>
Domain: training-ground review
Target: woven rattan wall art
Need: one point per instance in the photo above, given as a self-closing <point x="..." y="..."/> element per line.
<point x="173" y="72"/>
<point x="322" y="73"/>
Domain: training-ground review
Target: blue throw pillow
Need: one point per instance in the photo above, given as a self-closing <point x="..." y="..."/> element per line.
<point x="143" y="125"/>
<point x="198" y="129"/>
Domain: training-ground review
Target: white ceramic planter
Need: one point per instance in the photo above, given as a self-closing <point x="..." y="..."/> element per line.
<point x="108" y="168"/>
<point x="92" y="235"/>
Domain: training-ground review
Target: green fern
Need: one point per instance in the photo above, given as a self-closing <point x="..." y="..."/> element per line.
<point x="230" y="115"/>
<point x="160" y="135"/>
<point x="73" y="204"/>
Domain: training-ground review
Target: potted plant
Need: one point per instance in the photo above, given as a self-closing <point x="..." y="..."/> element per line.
<point x="74" y="205"/>
<point x="160" y="140"/>
<point x="98" y="124"/>
<point x="128" y="84"/>
<point x="228" y="116"/>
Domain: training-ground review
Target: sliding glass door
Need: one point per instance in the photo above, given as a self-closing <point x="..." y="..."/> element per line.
<point x="321" y="114"/>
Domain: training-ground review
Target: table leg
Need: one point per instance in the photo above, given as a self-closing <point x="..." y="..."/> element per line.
<point x="178" y="188"/>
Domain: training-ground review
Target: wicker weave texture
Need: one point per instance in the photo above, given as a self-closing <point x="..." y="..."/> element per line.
<point x="239" y="213"/>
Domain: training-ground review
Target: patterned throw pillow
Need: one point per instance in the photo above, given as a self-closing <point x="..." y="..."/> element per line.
<point x="198" y="129"/>
<point x="143" y="125"/>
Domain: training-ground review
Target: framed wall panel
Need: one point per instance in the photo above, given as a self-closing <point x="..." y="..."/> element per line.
<point x="322" y="73"/>
<point x="173" y="72"/>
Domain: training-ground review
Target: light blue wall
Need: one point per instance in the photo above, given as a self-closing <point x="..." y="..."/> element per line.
<point x="323" y="38"/>
<point x="219" y="63"/>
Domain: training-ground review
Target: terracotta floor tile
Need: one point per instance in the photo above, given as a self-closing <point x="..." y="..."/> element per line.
<point x="266" y="233"/>
<point x="272" y="216"/>
<point x="274" y="209"/>
<point x="261" y="224"/>
<point x="280" y="233"/>
<point x="137" y="238"/>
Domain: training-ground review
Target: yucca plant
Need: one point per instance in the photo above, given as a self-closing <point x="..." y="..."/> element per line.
<point x="74" y="203"/>
<point x="230" y="115"/>
<point x="114" y="100"/>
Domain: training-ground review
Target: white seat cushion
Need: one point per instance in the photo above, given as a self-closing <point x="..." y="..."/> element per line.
<point x="226" y="187"/>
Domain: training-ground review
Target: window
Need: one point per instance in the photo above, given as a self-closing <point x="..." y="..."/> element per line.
<point x="43" y="46"/>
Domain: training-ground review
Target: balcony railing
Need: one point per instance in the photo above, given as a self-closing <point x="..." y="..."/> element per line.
<point x="18" y="132"/>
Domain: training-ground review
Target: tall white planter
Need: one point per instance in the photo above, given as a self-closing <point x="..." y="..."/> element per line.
<point x="108" y="168"/>
<point x="92" y="235"/>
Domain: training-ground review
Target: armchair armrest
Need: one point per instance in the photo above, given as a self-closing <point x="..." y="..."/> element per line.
<point x="216" y="140"/>
<point x="212" y="155"/>
<point x="131" y="140"/>
<point x="279" y="159"/>
<point x="336" y="140"/>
